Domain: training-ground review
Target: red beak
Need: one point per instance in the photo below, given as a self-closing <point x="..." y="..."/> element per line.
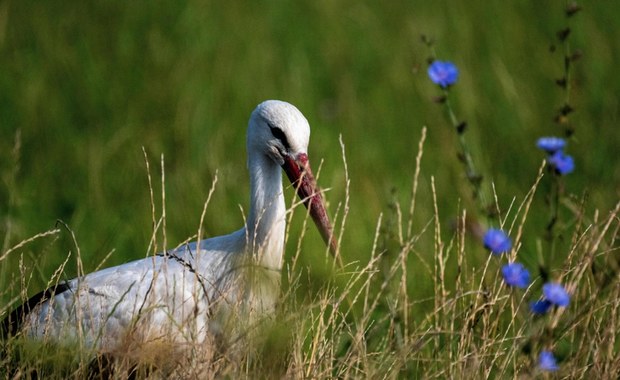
<point x="299" y="173"/>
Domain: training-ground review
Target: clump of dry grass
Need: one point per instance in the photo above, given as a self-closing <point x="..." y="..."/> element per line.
<point x="365" y="323"/>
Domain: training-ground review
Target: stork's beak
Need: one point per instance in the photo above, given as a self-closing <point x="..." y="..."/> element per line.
<point x="299" y="173"/>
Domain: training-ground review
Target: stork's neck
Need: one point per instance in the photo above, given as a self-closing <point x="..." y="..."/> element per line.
<point x="266" y="222"/>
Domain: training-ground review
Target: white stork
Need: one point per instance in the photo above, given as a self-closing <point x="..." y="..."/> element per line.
<point x="183" y="295"/>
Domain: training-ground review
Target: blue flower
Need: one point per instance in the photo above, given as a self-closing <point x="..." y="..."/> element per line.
<point x="556" y="294"/>
<point x="443" y="73"/>
<point x="551" y="144"/>
<point x="515" y="274"/>
<point x="547" y="362"/>
<point x="497" y="241"/>
<point x="561" y="162"/>
<point x="540" y="306"/>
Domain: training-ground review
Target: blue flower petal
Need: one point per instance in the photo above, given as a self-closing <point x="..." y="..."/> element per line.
<point x="551" y="144"/>
<point x="443" y="73"/>
<point x="540" y="306"/>
<point x="561" y="162"/>
<point x="516" y="275"/>
<point x="547" y="362"/>
<point x="556" y="294"/>
<point x="497" y="241"/>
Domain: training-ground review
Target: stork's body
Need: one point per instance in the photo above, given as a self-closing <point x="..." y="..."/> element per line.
<point x="186" y="294"/>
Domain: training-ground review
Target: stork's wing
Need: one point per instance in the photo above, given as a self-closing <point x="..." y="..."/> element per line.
<point x="13" y="322"/>
<point x="163" y="295"/>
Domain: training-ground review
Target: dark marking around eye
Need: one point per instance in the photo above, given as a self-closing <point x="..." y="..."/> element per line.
<point x="279" y="134"/>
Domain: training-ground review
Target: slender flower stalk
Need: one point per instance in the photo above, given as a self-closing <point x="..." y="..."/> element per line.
<point x="445" y="75"/>
<point x="559" y="162"/>
<point x="472" y="174"/>
<point x="569" y="56"/>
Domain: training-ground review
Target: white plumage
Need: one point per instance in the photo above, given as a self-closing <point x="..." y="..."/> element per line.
<point x="189" y="294"/>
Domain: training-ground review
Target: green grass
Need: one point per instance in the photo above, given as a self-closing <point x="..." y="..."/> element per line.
<point x="84" y="86"/>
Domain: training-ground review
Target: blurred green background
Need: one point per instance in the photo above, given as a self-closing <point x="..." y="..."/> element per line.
<point x="85" y="85"/>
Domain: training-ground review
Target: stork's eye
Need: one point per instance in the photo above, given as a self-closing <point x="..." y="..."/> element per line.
<point x="279" y="134"/>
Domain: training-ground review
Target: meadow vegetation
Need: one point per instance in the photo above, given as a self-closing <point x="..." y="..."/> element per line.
<point x="96" y="97"/>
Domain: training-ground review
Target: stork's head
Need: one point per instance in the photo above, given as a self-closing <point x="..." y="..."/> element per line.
<point x="279" y="131"/>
